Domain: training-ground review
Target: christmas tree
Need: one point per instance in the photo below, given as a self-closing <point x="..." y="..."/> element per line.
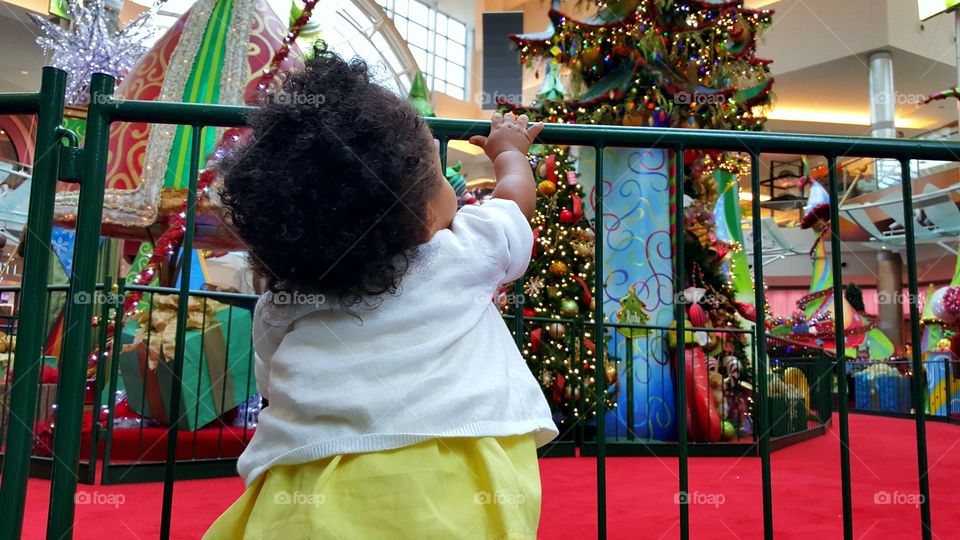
<point x="671" y="63"/>
<point x="558" y="288"/>
<point x="681" y="63"/>
<point x="558" y="285"/>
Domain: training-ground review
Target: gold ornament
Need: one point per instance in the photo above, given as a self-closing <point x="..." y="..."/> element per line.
<point x="611" y="371"/>
<point x="558" y="268"/>
<point x="590" y="56"/>
<point x="556" y="330"/>
<point x="634" y="119"/>
<point x="542" y="169"/>
<point x="547" y="188"/>
<point x="587" y="235"/>
<point x="583" y="249"/>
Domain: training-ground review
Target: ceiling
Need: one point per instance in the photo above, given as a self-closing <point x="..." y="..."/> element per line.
<point x="837" y="94"/>
<point x="22" y="59"/>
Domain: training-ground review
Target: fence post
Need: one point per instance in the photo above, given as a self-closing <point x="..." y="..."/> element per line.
<point x="33" y="301"/>
<point x="679" y="278"/>
<point x="599" y="353"/>
<point x="761" y="424"/>
<point x="922" y="469"/>
<point x="180" y="340"/>
<point x="947" y="366"/>
<point x="840" y="346"/>
<point x="79" y="312"/>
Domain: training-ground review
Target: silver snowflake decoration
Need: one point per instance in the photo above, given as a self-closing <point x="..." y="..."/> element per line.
<point x="533" y="286"/>
<point x="94" y="43"/>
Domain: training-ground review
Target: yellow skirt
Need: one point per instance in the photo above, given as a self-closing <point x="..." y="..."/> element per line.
<point x="472" y="488"/>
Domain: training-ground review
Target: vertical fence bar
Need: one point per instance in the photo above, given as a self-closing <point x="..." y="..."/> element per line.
<point x="840" y="346"/>
<point x="598" y="329"/>
<point x="186" y="254"/>
<point x="100" y="381"/>
<point x="114" y="373"/>
<point x="761" y="424"/>
<point x="629" y="371"/>
<point x="33" y="299"/>
<point x="679" y="277"/>
<point x="946" y="379"/>
<point x="79" y="313"/>
<point x="443" y="141"/>
<point x="922" y="468"/>
<point x="579" y="330"/>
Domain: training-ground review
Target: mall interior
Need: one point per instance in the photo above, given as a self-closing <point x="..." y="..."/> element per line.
<point x="741" y="306"/>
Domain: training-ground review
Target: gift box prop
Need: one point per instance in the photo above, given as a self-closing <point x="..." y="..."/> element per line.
<point x="217" y="361"/>
<point x="46" y="398"/>
<point x="881" y="387"/>
<point x="220" y="51"/>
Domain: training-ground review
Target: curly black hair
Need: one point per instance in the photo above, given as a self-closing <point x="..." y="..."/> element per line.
<point x="331" y="192"/>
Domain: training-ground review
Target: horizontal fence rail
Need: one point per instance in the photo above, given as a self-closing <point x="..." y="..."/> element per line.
<point x="774" y="417"/>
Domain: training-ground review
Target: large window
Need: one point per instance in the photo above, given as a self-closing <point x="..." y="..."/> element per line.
<point x="438" y="43"/>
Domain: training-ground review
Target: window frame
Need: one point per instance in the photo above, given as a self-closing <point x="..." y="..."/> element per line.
<point x="431" y="68"/>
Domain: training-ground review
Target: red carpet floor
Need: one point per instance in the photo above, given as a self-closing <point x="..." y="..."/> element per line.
<point x="806" y="491"/>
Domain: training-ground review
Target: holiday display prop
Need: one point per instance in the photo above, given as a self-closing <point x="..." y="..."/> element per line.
<point x="952" y="92"/>
<point x="262" y="75"/>
<point x="881" y="387"/>
<point x="49" y="376"/>
<point x="95" y="43"/>
<point x="729" y="230"/>
<point x="217" y="361"/>
<point x="659" y="63"/>
<point x="220" y="51"/>
<point x="939" y="320"/>
<point x="795" y="378"/>
<point x="786" y="409"/>
<point x="813" y="324"/>
<point x="420" y="97"/>
<point x="703" y="420"/>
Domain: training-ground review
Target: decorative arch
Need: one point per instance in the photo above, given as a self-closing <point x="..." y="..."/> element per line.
<point x="360" y="27"/>
<point x="20" y="130"/>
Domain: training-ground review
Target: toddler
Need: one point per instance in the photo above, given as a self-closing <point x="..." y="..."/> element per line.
<point x="399" y="405"/>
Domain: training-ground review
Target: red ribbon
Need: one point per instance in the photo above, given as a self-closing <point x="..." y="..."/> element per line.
<point x="551" y="162"/>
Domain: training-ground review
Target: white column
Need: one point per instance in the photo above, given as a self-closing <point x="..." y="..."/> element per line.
<point x="882" y="113"/>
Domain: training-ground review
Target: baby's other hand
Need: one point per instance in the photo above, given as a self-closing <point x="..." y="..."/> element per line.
<point x="507" y="133"/>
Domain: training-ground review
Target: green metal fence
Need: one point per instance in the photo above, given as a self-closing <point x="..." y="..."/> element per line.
<point x="88" y="167"/>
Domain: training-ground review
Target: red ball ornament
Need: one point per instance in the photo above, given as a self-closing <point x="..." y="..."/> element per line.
<point x="566" y="216"/>
<point x="698" y="317"/>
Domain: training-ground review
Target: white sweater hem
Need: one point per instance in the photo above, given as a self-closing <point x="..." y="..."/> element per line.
<point x="378" y="442"/>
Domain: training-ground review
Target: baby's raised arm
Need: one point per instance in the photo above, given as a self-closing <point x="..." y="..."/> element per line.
<point x="507" y="146"/>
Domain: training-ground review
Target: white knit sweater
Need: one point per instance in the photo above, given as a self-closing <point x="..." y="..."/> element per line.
<point x="434" y="361"/>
